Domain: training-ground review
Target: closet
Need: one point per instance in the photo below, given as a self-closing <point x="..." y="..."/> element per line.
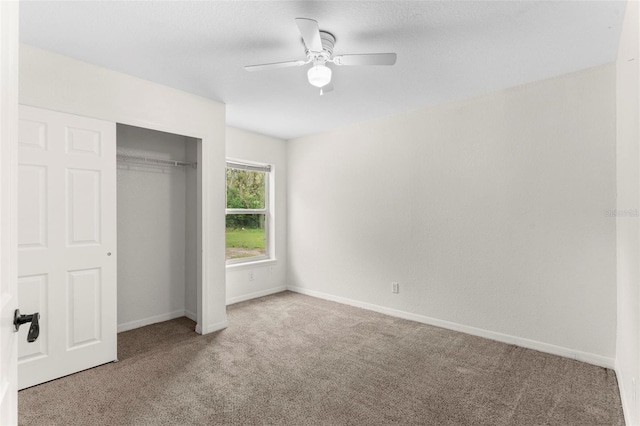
<point x="157" y="202"/>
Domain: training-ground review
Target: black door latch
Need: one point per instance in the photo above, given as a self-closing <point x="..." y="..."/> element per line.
<point x="34" y="330"/>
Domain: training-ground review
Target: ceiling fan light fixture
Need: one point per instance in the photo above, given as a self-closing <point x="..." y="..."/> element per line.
<point x="319" y="75"/>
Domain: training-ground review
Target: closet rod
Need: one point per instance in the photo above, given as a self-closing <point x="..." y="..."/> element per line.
<point x="149" y="161"/>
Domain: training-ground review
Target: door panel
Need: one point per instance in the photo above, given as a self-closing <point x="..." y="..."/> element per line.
<point x="83" y="212"/>
<point x="32" y="202"/>
<point x="84" y="289"/>
<point x="66" y="243"/>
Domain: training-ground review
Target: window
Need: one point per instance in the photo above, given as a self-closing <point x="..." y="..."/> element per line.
<point x="247" y="214"/>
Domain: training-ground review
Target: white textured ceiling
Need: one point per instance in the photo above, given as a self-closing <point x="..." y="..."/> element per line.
<point x="446" y="50"/>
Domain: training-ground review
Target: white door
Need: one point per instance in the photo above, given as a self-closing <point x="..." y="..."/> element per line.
<point x="8" y="147"/>
<point x="66" y="243"/>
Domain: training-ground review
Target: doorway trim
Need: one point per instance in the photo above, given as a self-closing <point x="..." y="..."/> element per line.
<point x="9" y="12"/>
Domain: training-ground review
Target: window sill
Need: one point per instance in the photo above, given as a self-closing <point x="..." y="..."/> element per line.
<point x="255" y="264"/>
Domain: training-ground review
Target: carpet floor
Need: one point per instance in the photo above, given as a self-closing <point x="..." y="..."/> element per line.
<point x="289" y="359"/>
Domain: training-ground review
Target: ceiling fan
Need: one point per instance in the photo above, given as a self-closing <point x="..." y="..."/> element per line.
<point x="319" y="51"/>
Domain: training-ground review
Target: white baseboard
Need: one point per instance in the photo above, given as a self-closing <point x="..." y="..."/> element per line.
<point x="626" y="409"/>
<point x="238" y="299"/>
<point x="172" y="315"/>
<point x="211" y="328"/>
<point x="150" y="320"/>
<point x="191" y="315"/>
<point x="589" y="358"/>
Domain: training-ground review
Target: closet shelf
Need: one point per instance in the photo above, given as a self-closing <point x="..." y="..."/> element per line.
<point x="150" y="161"/>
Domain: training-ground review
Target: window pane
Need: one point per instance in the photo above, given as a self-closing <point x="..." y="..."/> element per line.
<point x="246" y="236"/>
<point x="246" y="189"/>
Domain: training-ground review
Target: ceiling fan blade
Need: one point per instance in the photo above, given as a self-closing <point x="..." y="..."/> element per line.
<point x="274" y="65"/>
<point x="366" y="59"/>
<point x="326" y="88"/>
<point x="310" y="34"/>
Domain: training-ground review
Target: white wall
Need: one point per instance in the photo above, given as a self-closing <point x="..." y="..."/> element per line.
<point x="153" y="217"/>
<point x="59" y="83"/>
<point x="628" y="165"/>
<point x="270" y="277"/>
<point x="489" y="212"/>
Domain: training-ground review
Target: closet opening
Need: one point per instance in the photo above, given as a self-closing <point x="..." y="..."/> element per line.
<point x="159" y="238"/>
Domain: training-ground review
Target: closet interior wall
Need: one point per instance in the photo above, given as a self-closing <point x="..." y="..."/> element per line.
<point x="157" y="229"/>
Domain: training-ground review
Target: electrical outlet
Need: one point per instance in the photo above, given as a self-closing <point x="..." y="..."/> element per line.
<point x="250" y="275"/>
<point x="395" y="288"/>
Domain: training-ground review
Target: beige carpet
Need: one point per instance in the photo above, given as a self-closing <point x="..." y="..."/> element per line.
<point x="290" y="359"/>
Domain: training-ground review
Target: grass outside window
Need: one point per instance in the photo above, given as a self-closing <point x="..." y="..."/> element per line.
<point x="243" y="243"/>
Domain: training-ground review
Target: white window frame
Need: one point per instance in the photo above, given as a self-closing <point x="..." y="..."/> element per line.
<point x="267" y="211"/>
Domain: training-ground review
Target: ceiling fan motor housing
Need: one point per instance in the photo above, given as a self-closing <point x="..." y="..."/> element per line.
<point x="328" y="41"/>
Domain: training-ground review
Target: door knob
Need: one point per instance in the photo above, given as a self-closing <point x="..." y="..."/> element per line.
<point x="34" y="330"/>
